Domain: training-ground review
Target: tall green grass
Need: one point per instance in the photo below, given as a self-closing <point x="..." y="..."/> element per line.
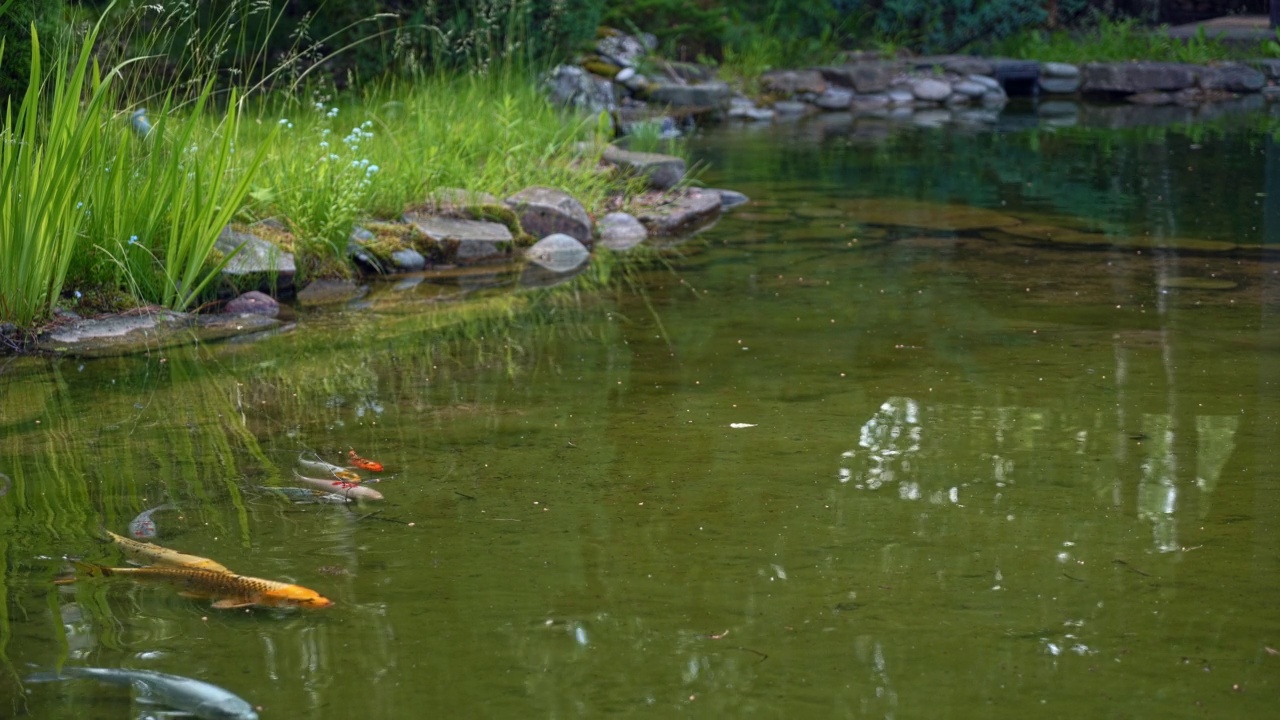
<point x="1115" y="41"/>
<point x="42" y="153"/>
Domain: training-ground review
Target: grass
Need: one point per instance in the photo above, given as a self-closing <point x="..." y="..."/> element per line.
<point x="1116" y="41"/>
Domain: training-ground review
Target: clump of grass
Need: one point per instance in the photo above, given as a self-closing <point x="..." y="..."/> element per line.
<point x="42" y="152"/>
<point x="1115" y="41"/>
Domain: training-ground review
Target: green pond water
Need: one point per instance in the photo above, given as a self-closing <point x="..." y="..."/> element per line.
<point x="869" y="447"/>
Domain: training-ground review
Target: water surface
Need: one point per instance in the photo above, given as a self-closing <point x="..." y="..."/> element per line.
<point x="806" y="464"/>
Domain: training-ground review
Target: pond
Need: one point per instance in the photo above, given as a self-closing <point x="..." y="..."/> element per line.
<point x="946" y="423"/>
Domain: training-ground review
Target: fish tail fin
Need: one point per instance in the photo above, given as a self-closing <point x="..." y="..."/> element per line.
<point x="90" y="569"/>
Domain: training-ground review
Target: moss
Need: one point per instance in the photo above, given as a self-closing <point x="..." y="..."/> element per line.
<point x="391" y="237"/>
<point x="503" y="215"/>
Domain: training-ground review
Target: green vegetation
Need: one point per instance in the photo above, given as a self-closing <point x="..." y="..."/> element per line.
<point x="1113" y="41"/>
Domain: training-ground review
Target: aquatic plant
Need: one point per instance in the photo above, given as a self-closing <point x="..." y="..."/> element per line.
<point x="42" y="153"/>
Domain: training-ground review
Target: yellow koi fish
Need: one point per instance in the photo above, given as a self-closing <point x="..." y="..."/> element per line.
<point x="228" y="590"/>
<point x="152" y="554"/>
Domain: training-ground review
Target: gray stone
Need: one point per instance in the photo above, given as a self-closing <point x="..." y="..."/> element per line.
<point x="1267" y="66"/>
<point x="869" y="103"/>
<point x="330" y="292"/>
<point x="662" y="171"/>
<point x="683" y="214"/>
<point x="985" y="81"/>
<point x="252" y="303"/>
<point x="729" y="198"/>
<point x="1232" y="77"/>
<point x="900" y="96"/>
<point x="1271" y="93"/>
<point x="1059" y="86"/>
<point x="571" y="86"/>
<point x="256" y="261"/>
<point x="624" y="75"/>
<point x="635" y="83"/>
<point x="751" y="113"/>
<point x="930" y="90"/>
<point x="558" y="253"/>
<point x="836" y="98"/>
<point x="1136" y="77"/>
<point x="621" y="231"/>
<point x="1058" y="70"/>
<point x="467" y="241"/>
<point x="956" y="98"/>
<point x="408" y="260"/>
<point x="863" y="77"/>
<point x="129" y="334"/>
<point x="546" y="211"/>
<point x="699" y="95"/>
<point x="994" y="99"/>
<point x="790" y="82"/>
<point x="791" y="107"/>
<point x="967" y="65"/>
<point x="969" y="88"/>
<point x="623" y="50"/>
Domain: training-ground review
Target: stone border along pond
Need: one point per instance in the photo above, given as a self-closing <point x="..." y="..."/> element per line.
<point x="451" y="229"/>
<point x="455" y="228"/>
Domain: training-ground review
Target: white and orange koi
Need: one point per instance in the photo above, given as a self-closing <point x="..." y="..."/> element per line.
<point x="353" y="491"/>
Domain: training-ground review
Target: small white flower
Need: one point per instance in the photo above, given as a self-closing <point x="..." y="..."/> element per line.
<point x="371" y="170"/>
<point x="333" y="112"/>
<point x="284" y="121"/>
<point x="324" y="144"/>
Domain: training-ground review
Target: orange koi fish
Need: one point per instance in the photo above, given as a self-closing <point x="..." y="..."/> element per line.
<point x="227" y="590"/>
<point x="152" y="554"/>
<point x="364" y="463"/>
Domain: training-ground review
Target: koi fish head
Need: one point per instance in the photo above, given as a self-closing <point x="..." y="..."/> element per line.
<point x="298" y="596"/>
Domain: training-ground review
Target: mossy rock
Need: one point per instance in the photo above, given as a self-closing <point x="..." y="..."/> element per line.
<point x="601" y="68"/>
<point x="503" y="215"/>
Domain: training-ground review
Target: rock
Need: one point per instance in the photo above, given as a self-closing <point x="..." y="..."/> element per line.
<point x="1232" y="77"/>
<point x="1151" y="98"/>
<point x="634" y="82"/>
<point x="930" y="90"/>
<point x="751" y="113"/>
<point x="464" y="241"/>
<point x="1016" y="77"/>
<point x="985" y="81"/>
<point x="330" y="292"/>
<point x="258" y="264"/>
<point x="546" y="211"/>
<point x="558" y="253"/>
<point x="622" y="49"/>
<point x="790" y="82"/>
<point x="252" y="303"/>
<point x="834" y="99"/>
<point x="682" y="214"/>
<point x="138" y="333"/>
<point x="1136" y="77"/>
<point x="621" y="231"/>
<point x="866" y="104"/>
<point x="572" y="86"/>
<point x="900" y="96"/>
<point x="443" y="200"/>
<point x="729" y="198"/>
<point x="994" y="99"/>
<point x="1058" y="70"/>
<point x="970" y="88"/>
<point x="408" y="260"/>
<point x="624" y="75"/>
<point x="1267" y="66"/>
<point x="662" y="171"/>
<point x="1059" y="86"/>
<point x="699" y="95"/>
<point x="1271" y="93"/>
<point x="601" y="67"/>
<point x="791" y="107"/>
<point x="863" y="77"/>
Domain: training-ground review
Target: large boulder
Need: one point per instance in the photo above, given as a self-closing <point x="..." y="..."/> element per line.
<point x="572" y="86"/>
<point x="791" y="82"/>
<point x="146" y="332"/>
<point x="546" y="211"/>
<point x="252" y="303"/>
<point x="558" y="253"/>
<point x="465" y="242"/>
<point x="662" y="171"/>
<point x="621" y="231"/>
<point x="1136" y="77"/>
<point x="698" y="95"/>
<point x="1232" y="77"/>
<point x="257" y="263"/>
<point x="863" y="77"/>
<point x="623" y="50"/>
<point x="682" y="214"/>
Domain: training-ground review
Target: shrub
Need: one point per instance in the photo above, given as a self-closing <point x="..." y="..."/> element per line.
<point x="16" y="20"/>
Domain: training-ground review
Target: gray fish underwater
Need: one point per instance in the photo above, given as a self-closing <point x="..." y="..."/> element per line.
<point x="339" y="487"/>
<point x="143" y="527"/>
<point x="199" y="698"/>
<point x="304" y="495"/>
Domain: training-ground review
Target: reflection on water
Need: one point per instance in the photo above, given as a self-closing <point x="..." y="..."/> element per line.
<point x="872" y="459"/>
